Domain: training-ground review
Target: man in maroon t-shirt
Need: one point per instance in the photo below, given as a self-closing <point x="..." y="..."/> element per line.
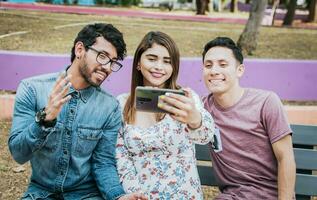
<point x="252" y="156"/>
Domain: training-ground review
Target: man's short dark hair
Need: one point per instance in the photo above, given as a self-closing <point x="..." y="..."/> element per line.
<point x="90" y="32"/>
<point x="224" y="42"/>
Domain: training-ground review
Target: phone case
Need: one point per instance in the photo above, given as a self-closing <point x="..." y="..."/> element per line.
<point x="147" y="98"/>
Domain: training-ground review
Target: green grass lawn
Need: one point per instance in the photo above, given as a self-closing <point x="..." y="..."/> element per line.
<point x="54" y="33"/>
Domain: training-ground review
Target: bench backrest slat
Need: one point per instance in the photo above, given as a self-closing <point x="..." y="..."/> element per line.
<point x="202" y="152"/>
<point x="304" y="135"/>
<point x="207" y="176"/>
<point x="305" y="159"/>
<point x="306" y="184"/>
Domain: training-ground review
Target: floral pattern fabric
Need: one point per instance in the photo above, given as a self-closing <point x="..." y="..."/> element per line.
<point x="160" y="161"/>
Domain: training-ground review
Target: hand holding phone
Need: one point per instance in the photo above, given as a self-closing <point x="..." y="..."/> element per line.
<point x="182" y="108"/>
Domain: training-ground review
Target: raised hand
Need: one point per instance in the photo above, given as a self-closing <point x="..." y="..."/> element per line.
<point x="58" y="97"/>
<point x="133" y="196"/>
<point x="181" y="108"/>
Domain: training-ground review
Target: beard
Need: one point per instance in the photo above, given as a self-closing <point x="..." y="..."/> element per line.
<point x="84" y="71"/>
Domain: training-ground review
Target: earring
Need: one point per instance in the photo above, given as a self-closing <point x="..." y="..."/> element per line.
<point x="77" y="57"/>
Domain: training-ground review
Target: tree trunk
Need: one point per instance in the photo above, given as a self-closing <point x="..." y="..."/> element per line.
<point x="248" y="39"/>
<point x="207" y="5"/>
<point x="198" y="7"/>
<point x="233" y="6"/>
<point x="312" y="17"/>
<point x="201" y="6"/>
<point x="289" y="17"/>
<point x="274" y="7"/>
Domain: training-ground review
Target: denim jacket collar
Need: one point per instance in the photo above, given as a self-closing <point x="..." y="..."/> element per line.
<point x="83" y="94"/>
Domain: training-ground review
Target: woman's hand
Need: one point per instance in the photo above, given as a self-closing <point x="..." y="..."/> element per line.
<point x="181" y="108"/>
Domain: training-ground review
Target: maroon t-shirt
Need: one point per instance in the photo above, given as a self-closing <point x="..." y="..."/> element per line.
<point x="242" y="156"/>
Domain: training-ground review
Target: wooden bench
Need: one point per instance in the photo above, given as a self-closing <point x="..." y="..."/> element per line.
<point x="305" y="150"/>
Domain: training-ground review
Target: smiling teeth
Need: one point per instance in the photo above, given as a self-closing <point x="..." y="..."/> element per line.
<point x="216" y="81"/>
<point x="100" y="75"/>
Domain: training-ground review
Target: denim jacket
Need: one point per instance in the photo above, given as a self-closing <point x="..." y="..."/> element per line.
<point x="79" y="152"/>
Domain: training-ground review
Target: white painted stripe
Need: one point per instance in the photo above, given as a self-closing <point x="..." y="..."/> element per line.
<point x="14" y="33"/>
<point x="70" y="25"/>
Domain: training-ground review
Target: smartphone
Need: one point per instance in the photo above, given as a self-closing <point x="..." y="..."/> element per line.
<point x="147" y="98"/>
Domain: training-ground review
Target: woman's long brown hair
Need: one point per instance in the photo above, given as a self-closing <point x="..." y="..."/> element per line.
<point x="147" y="42"/>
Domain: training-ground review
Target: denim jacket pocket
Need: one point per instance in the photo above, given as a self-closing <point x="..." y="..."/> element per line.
<point x="87" y="139"/>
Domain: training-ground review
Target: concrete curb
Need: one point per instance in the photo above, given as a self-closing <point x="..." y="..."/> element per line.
<point x="306" y="115"/>
<point x="6" y="106"/>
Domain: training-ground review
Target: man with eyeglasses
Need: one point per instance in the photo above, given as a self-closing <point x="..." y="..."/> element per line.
<point x="66" y="125"/>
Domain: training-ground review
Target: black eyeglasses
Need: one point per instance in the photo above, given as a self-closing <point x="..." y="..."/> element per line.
<point x="104" y="59"/>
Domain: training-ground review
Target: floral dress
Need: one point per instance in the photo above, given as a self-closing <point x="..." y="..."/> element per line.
<point x="160" y="160"/>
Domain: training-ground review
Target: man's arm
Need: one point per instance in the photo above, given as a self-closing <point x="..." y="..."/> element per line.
<point x="284" y="154"/>
<point x="27" y="136"/>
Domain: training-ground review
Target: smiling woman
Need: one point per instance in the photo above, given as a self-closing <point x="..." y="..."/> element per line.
<point x="155" y="66"/>
<point x="153" y="148"/>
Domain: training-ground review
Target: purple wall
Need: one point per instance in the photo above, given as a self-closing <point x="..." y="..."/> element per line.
<point x="290" y="79"/>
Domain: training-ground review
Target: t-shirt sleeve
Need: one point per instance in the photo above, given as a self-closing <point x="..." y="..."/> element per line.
<point x="274" y="118"/>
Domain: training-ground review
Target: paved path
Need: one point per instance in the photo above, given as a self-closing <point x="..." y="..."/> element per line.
<point x="120" y="12"/>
